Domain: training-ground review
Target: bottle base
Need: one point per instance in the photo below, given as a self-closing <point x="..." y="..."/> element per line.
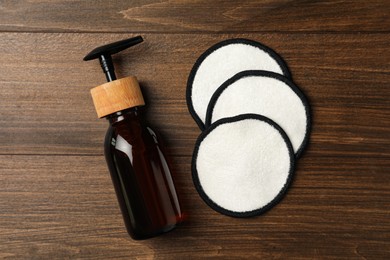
<point x="162" y="231"/>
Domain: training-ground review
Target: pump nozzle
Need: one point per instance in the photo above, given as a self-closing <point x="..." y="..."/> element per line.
<point x="104" y="54"/>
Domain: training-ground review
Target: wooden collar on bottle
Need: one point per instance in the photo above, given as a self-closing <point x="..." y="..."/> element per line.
<point x="117" y="95"/>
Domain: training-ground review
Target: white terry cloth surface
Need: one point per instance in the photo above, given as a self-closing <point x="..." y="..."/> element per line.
<point x="243" y="165"/>
<point x="268" y="94"/>
<point x="221" y="62"/>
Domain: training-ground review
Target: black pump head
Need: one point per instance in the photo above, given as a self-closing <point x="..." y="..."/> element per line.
<point x="104" y="54"/>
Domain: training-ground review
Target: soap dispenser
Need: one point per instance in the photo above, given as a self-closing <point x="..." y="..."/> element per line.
<point x="135" y="156"/>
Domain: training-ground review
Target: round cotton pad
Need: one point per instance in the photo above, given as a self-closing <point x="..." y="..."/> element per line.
<point x="268" y="94"/>
<point x="243" y="165"/>
<point x="221" y="62"/>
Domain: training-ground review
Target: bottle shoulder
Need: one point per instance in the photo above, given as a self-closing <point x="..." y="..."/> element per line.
<point x="136" y="135"/>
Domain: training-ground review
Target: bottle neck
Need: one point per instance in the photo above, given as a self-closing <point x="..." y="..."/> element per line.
<point x="133" y="113"/>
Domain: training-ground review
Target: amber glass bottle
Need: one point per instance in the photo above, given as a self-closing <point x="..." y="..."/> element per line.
<point x="139" y="169"/>
<point x="141" y="176"/>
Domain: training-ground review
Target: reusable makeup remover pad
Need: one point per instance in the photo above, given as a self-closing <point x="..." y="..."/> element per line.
<point x="243" y="165"/>
<point x="221" y="62"/>
<point x="268" y="94"/>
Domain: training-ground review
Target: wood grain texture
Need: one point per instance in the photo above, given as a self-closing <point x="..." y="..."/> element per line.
<point x="195" y="16"/>
<point x="344" y="77"/>
<point x="65" y="206"/>
<point x="56" y="196"/>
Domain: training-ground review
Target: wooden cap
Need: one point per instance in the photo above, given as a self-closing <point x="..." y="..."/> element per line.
<point x="117" y="95"/>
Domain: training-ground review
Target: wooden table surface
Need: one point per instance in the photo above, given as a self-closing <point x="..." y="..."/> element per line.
<point x="56" y="196"/>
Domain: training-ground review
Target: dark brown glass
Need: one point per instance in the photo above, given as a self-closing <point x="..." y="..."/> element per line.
<point x="141" y="176"/>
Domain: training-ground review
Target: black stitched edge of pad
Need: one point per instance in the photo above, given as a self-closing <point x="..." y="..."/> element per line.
<point x="202" y="57"/>
<point x="258" y="211"/>
<point x="269" y="74"/>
